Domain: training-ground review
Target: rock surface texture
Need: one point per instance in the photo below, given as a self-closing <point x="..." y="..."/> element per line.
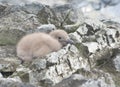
<point x="93" y="61"/>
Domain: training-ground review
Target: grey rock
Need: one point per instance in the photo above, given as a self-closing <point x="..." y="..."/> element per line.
<point x="117" y="62"/>
<point x="38" y="64"/>
<point x="82" y="30"/>
<point x="96" y="83"/>
<point x="59" y="15"/>
<point x="9" y="9"/>
<point x="69" y="16"/>
<point x="17" y="2"/>
<point x="103" y="34"/>
<point x="104" y="53"/>
<point x="22" y="73"/>
<point x="72" y="81"/>
<point x="47" y="15"/>
<point x="77" y="80"/>
<point x="59" y="64"/>
<point x="18" y="20"/>
<point x="109" y="36"/>
<point x="67" y="12"/>
<point x="96" y="74"/>
<point x="10" y="36"/>
<point x="10" y="82"/>
<point x="8" y="64"/>
<point x="110" y="2"/>
<point x="89" y="39"/>
<point x="2" y="8"/>
<point x="46" y="28"/>
<point x="32" y="8"/>
<point x="104" y="57"/>
<point x="75" y="37"/>
<point x="71" y="28"/>
<point x="94" y="25"/>
<point x="7" y="51"/>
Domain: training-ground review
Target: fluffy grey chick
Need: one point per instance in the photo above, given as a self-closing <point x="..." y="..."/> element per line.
<point x="41" y="44"/>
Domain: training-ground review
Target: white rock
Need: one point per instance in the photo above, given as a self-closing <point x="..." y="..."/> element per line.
<point x="92" y="46"/>
<point x="82" y="30"/>
<point x="117" y="62"/>
<point x="46" y="28"/>
<point x="97" y="83"/>
<point x="76" y="37"/>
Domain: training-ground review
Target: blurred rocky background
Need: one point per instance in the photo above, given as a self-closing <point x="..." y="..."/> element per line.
<point x="94" y="25"/>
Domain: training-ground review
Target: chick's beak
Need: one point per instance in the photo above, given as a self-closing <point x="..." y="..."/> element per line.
<point x="69" y="41"/>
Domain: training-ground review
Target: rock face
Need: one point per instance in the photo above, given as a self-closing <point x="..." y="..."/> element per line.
<point x="94" y="59"/>
<point x="13" y="83"/>
<point x="78" y="80"/>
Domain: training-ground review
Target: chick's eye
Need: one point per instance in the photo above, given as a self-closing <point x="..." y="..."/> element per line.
<point x="59" y="38"/>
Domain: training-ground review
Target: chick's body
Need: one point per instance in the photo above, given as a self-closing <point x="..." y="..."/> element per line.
<point x="36" y="45"/>
<point x="40" y="44"/>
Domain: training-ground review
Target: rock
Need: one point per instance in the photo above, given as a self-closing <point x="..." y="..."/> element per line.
<point x="88" y="32"/>
<point x="17" y="2"/>
<point x="107" y="62"/>
<point x="18" y="20"/>
<point x="32" y="8"/>
<point x="71" y="28"/>
<point x="94" y="26"/>
<point x="53" y="2"/>
<point x="68" y="15"/>
<point x="76" y="37"/>
<point x="110" y="2"/>
<point x="23" y="2"/>
<point x="46" y="16"/>
<point x="107" y="37"/>
<point x="1" y="76"/>
<point x="2" y="8"/>
<point x="72" y="81"/>
<point x="10" y="82"/>
<point x="92" y="46"/>
<point x="46" y="28"/>
<point x="117" y="62"/>
<point x="7" y="51"/>
<point x="39" y="64"/>
<point x="59" y="15"/>
<point x="104" y="53"/>
<point x="23" y="73"/>
<point x="59" y="64"/>
<point x="10" y="36"/>
<point x="78" y="80"/>
<point x="8" y="64"/>
<point x="100" y="38"/>
<point x="82" y="30"/>
<point x="111" y="33"/>
<point x="96" y="83"/>
<point x="89" y="39"/>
